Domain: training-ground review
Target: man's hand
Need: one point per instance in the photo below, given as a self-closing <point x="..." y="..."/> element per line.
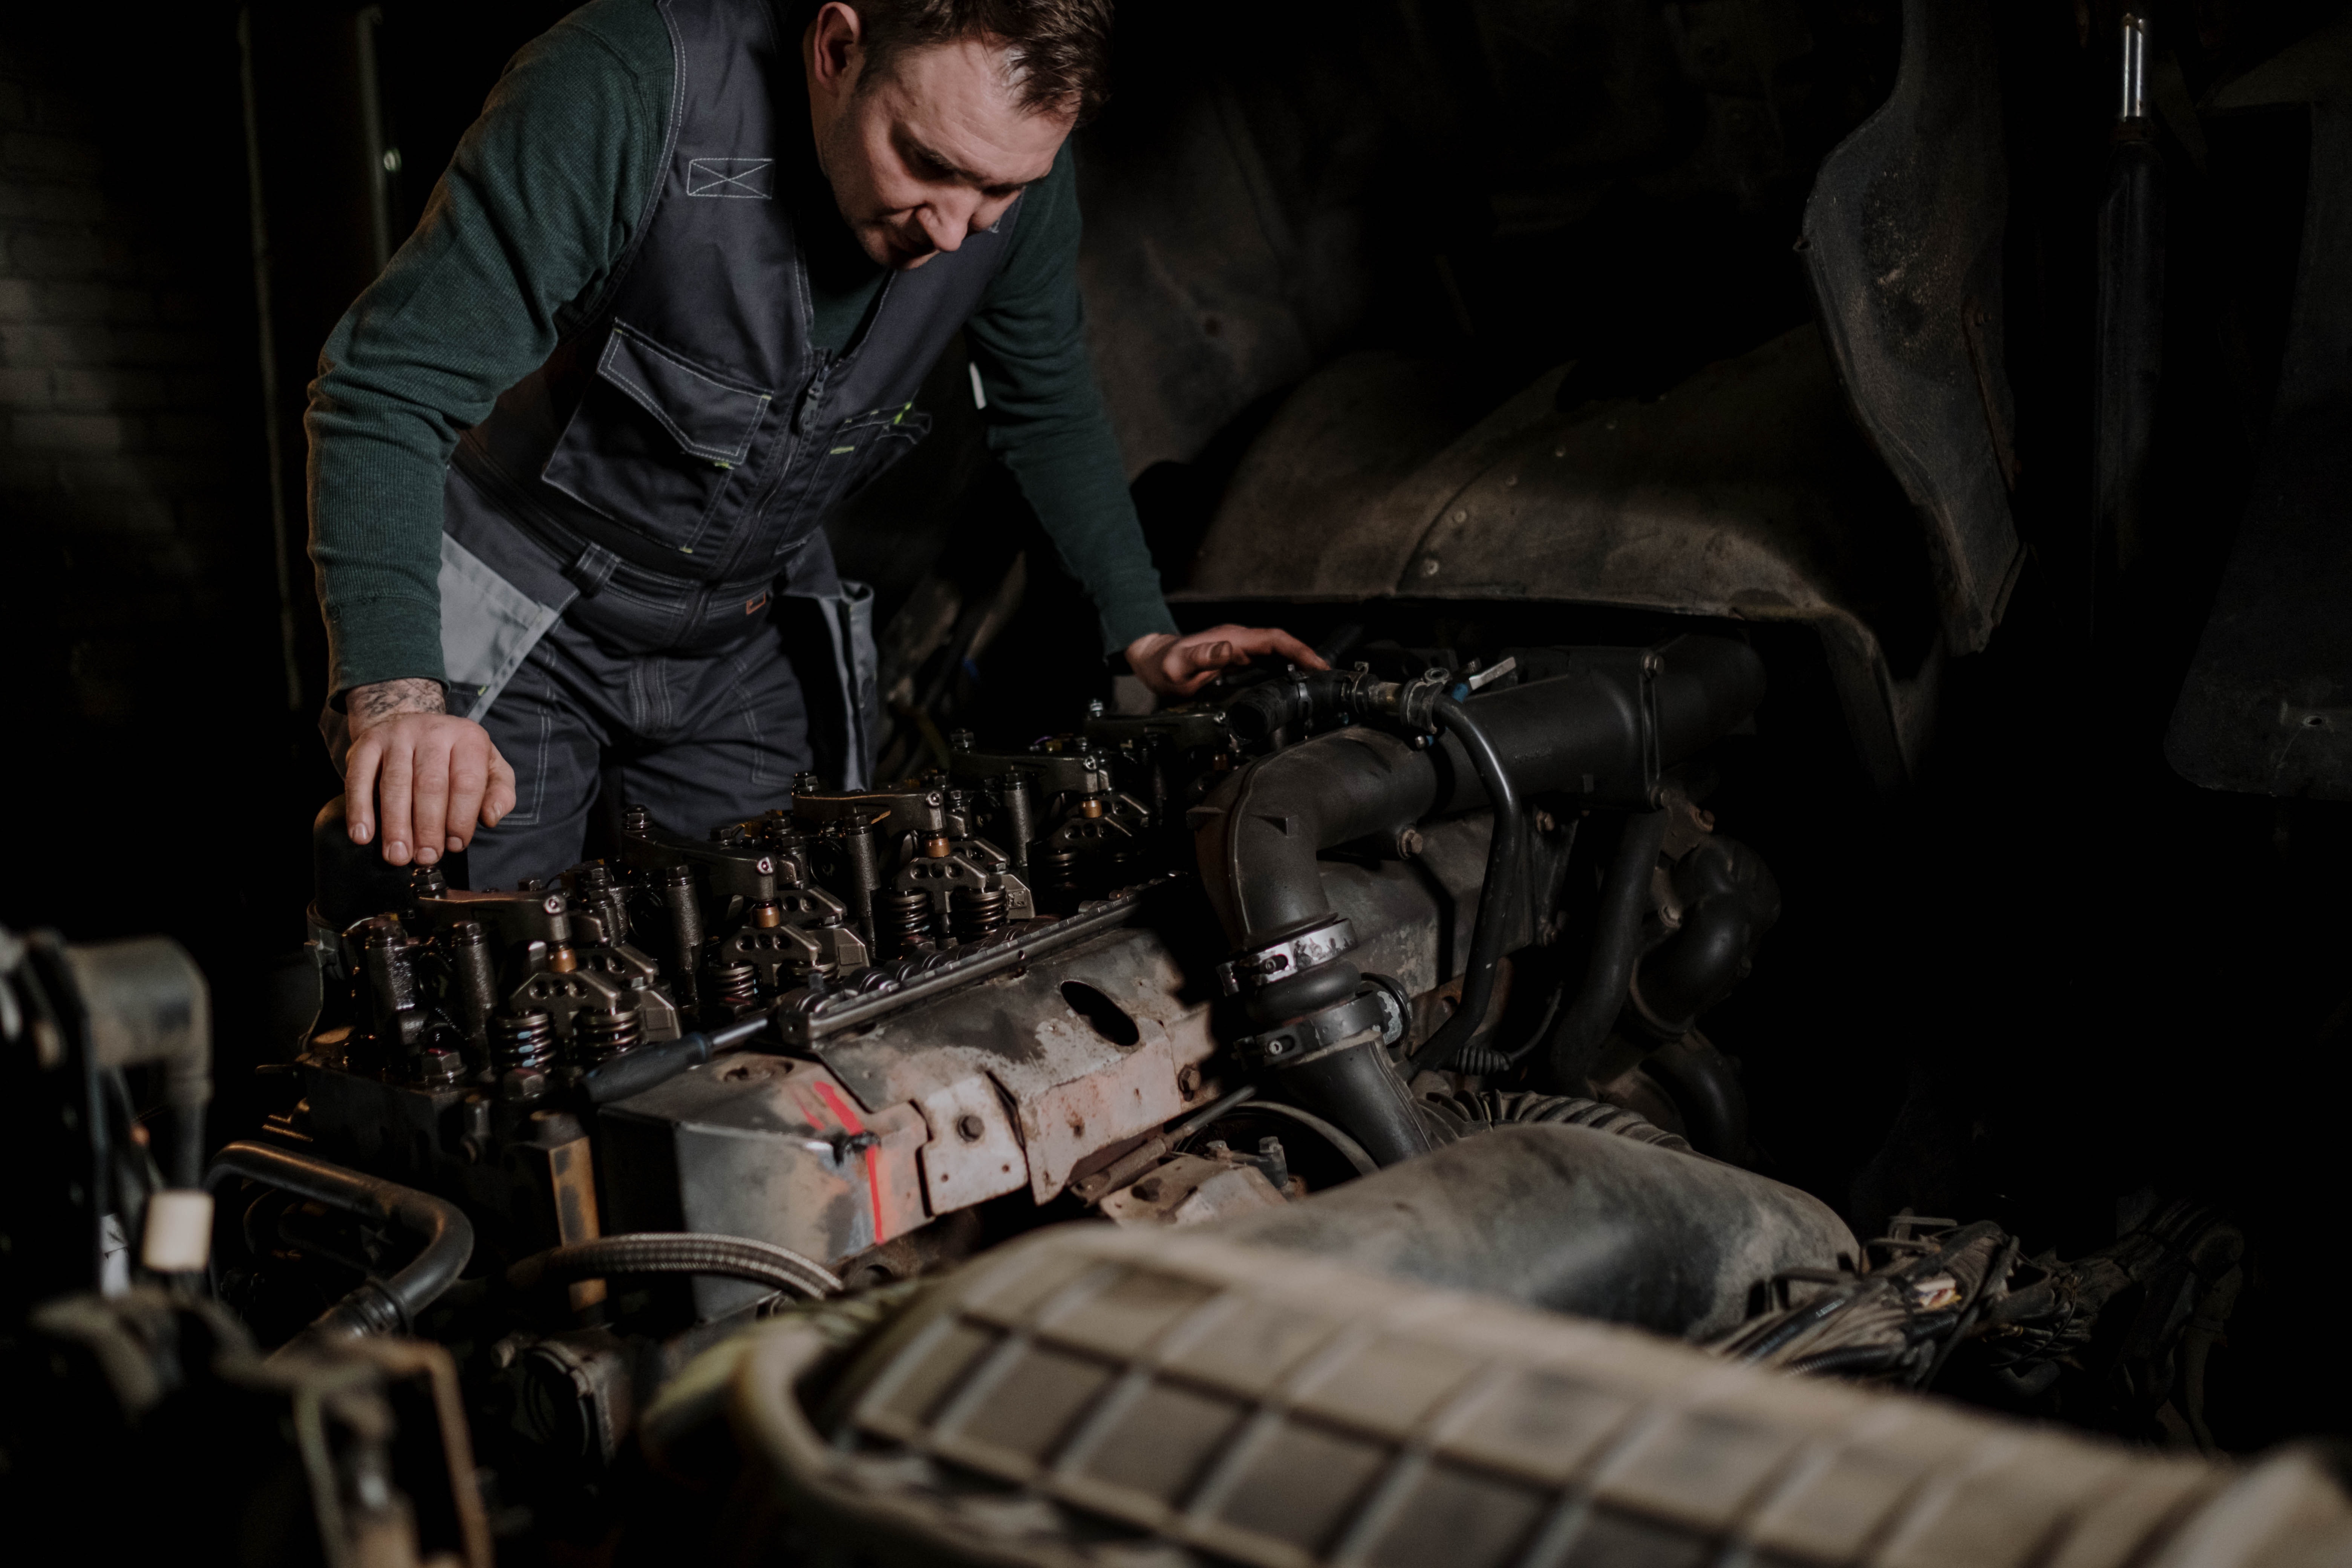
<point x="1176" y="666"/>
<point x="438" y="775"/>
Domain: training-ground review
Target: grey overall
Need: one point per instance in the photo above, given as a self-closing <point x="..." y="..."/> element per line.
<point x="633" y="565"/>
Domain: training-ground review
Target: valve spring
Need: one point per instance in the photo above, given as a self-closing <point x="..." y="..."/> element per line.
<point x="905" y="919"/>
<point x="1058" y="869"/>
<point x="521" y="1040"/>
<point x="976" y="912"/>
<point x="734" y="984"/>
<point x="599" y="1037"/>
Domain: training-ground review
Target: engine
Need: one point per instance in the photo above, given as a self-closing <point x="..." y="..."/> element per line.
<point x="1169" y="967"/>
<point x="1395" y="970"/>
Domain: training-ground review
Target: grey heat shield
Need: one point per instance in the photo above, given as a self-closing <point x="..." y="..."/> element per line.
<point x="1092" y="1397"/>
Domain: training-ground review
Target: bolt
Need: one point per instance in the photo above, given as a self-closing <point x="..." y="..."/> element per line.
<point x="522" y="1083"/>
<point x="1095" y="708"/>
<point x="635" y="818"/>
<point x="1408" y="843"/>
<point x="1148" y="1189"/>
<point x="969" y="1128"/>
<point x="1188" y="1082"/>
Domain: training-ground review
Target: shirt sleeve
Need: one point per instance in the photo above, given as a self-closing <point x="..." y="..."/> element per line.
<point x="535" y="207"/>
<point x="1046" y="418"/>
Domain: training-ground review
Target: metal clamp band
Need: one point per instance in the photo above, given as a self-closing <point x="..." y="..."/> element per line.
<point x="1370" y="1017"/>
<point x="1291" y="956"/>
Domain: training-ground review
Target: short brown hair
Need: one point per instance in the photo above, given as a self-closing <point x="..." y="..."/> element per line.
<point x="1059" y="49"/>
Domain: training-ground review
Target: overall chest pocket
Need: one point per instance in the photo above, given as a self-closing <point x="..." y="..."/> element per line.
<point x="659" y="442"/>
<point x="857" y="452"/>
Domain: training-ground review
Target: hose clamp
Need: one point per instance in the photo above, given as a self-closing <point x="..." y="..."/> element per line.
<point x="1317" y="944"/>
<point x="1416" y="700"/>
<point x="1372" y="1017"/>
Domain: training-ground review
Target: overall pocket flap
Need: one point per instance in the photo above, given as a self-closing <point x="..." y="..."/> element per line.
<point x="708" y="416"/>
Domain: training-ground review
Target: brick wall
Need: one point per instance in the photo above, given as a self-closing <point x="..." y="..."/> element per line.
<point x="147" y="730"/>
<point x="129" y="472"/>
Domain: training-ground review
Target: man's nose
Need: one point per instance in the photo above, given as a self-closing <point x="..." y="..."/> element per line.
<point x="948" y="222"/>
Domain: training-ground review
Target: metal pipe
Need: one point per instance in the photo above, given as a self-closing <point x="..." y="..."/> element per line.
<point x="2135" y="64"/>
<point x="2129" y="327"/>
<point x="378" y="1307"/>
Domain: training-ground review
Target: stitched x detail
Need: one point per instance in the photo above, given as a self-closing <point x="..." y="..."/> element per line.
<point x="745" y="178"/>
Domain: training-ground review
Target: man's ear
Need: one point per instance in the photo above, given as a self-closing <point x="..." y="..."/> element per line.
<point x="837" y="46"/>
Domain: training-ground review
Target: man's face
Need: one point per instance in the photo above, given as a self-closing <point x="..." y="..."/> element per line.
<point x="934" y="151"/>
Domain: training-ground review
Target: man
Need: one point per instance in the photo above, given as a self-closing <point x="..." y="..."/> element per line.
<point x="665" y="312"/>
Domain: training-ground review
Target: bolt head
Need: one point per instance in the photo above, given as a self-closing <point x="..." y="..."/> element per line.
<point x="969" y="1128"/>
<point x="1188" y="1082"/>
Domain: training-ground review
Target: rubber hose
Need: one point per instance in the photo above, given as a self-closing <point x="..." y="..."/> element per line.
<point x="1624" y="894"/>
<point x="1493" y="895"/>
<point x="378" y="1307"/>
<point x="724" y="1257"/>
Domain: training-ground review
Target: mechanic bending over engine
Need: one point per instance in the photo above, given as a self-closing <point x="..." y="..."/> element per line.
<point x="570" y="455"/>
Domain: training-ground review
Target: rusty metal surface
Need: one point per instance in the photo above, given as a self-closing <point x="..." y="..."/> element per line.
<point x="1193" y="1189"/>
<point x="1903" y="240"/>
<point x="764" y="1147"/>
<point x="1744" y="493"/>
<point x="1077" y="1088"/>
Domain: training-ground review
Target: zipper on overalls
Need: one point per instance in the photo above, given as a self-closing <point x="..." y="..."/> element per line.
<point x="815" y="395"/>
<point x="802" y="410"/>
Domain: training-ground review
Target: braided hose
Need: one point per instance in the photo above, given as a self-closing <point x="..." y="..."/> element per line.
<point x="1488" y="1109"/>
<point x="724" y="1257"/>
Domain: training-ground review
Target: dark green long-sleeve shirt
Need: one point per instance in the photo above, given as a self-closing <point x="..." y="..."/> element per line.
<point x="539" y="203"/>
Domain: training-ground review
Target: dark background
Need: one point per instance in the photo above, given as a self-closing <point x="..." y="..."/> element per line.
<point x="2050" y="977"/>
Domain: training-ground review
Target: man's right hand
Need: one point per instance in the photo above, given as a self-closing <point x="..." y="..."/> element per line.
<point x="434" y="775"/>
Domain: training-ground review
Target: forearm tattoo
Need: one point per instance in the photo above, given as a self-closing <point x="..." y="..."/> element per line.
<point x="372" y="705"/>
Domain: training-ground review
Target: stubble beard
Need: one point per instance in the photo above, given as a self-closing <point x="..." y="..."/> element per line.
<point x="837" y="152"/>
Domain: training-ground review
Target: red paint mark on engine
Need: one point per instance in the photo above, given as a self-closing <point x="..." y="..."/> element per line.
<point x="873" y="1152"/>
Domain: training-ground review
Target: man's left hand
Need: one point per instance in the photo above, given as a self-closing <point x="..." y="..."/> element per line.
<point x="1178" y="666"/>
